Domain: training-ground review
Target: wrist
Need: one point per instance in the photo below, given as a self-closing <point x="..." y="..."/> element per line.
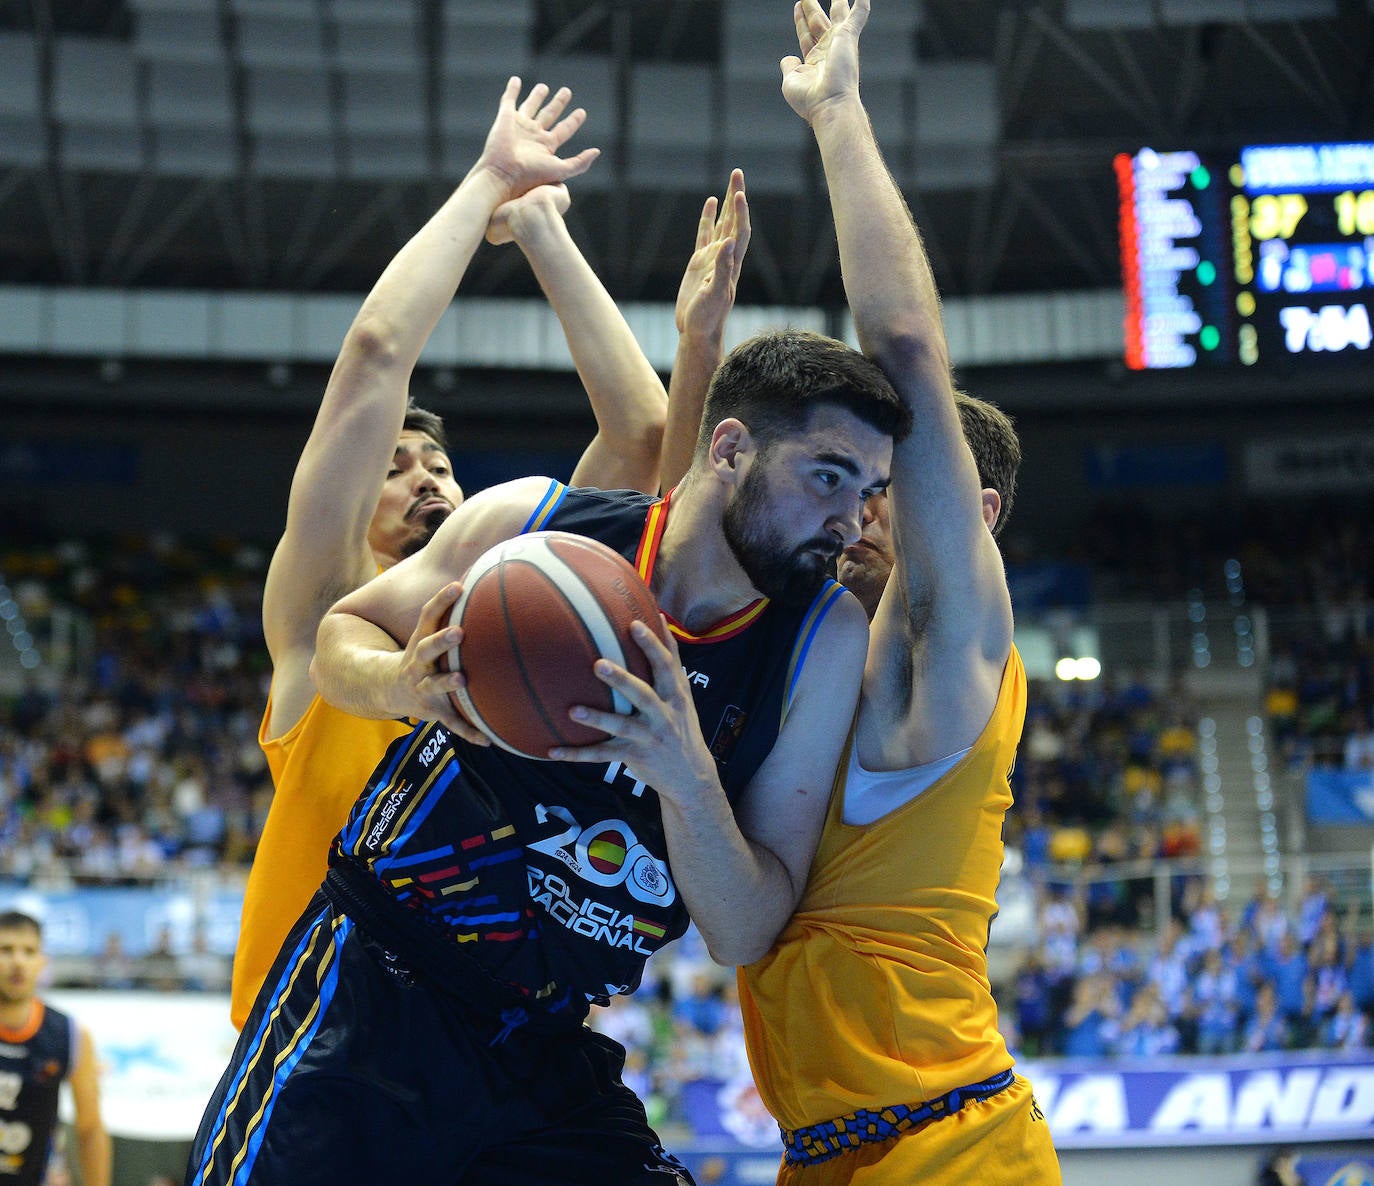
<point x="532" y="225"/>
<point x="695" y="337"/>
<point x="491" y="181"/>
<point x="837" y="112"/>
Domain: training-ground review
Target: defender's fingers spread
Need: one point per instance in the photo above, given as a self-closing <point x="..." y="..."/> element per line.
<point x="548" y="116"/>
<point x="580" y="163"/>
<point x="534" y="100"/>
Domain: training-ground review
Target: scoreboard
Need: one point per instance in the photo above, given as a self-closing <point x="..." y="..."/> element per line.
<point x="1261" y="257"/>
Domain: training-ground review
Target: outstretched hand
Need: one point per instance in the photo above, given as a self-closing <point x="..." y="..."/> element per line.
<point x="707" y="292"/>
<point x="522" y="146"/>
<point x="424" y="679"/>
<point x="543" y="201"/>
<point x="661" y="740"/>
<point x="828" y="68"/>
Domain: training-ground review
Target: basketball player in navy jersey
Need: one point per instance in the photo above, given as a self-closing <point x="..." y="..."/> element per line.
<point x="39" y="1049"/>
<point x="424" y="1020"/>
<point x="374" y="482"/>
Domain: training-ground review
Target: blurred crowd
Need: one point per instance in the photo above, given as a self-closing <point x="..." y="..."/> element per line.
<point x="1208" y="981"/>
<point x="147" y="762"/>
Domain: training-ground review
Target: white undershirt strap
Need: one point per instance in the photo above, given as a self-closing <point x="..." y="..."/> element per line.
<point x="871" y="794"/>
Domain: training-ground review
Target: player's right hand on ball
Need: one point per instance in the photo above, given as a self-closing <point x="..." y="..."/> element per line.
<point x="426" y="678"/>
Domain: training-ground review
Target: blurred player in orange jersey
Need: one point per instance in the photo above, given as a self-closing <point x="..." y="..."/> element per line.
<point x="39" y="1049"/>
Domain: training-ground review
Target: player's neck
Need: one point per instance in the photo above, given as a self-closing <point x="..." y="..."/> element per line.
<point x="16" y="1015"/>
<point x="696" y="577"/>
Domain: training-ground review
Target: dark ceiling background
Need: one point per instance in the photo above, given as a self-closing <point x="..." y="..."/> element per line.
<point x="1068" y="95"/>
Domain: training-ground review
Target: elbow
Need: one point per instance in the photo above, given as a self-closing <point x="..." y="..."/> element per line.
<point x="738" y="950"/>
<point x="373" y="341"/>
<point x="649" y="438"/>
<point x="637" y="430"/>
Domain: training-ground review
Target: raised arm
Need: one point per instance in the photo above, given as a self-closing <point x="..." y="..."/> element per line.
<point x="626" y="394"/>
<point x="947" y="598"/>
<point x="704" y="300"/>
<point x="324" y="551"/>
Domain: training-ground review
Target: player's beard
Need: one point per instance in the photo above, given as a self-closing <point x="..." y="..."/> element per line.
<point x="788" y="575"/>
<point x="424" y="530"/>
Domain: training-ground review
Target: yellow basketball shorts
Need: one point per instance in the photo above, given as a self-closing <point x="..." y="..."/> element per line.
<point x="1003" y="1139"/>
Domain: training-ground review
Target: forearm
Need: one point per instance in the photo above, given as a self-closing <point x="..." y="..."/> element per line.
<point x="356" y="667"/>
<point x="738" y="893"/>
<point x="94" y="1152"/>
<point x="625" y="392"/>
<point x="696" y="361"/>
<point x="888" y="280"/>
<point x="418" y="285"/>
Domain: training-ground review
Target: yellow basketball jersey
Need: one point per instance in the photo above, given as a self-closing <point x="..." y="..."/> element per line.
<point x="319" y="767"/>
<point x="877" y="991"/>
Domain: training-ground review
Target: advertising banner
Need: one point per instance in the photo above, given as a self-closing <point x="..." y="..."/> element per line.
<point x="1340" y="796"/>
<point x="1138" y="1103"/>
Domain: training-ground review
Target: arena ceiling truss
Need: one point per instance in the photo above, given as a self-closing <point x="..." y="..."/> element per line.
<point x="292" y="145"/>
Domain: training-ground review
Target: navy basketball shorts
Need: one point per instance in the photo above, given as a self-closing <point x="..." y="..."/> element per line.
<point x="355" y="1068"/>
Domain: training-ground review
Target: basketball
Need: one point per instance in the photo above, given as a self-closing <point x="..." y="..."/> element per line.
<point x="537" y="611"/>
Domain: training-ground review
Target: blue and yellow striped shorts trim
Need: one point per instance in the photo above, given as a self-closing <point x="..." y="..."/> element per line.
<point x="255" y="1082"/>
<point x="820" y="1142"/>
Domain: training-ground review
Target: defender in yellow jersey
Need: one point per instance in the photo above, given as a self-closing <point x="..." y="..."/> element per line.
<point x="374" y="482"/>
<point x="871" y="1025"/>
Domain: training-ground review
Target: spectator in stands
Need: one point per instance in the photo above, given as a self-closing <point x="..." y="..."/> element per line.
<point x="1265" y="918"/>
<point x="115" y="968"/>
<point x="1346" y="1027"/>
<point x="1146" y="1030"/>
<point x="1289" y="972"/>
<point x="1247" y="957"/>
<point x="1360" y="968"/>
<point x="1214" y="1007"/>
<point x="200" y="969"/>
<point x="157" y="969"/>
<point x="1315" y="906"/>
<point x="1168" y="968"/>
<point x="1093" y="1020"/>
<point x="1359" y="741"/>
<point x="1033" y="991"/>
<point x="1266" y="1029"/>
<point x="700" y="1007"/>
<point x="1329" y="978"/>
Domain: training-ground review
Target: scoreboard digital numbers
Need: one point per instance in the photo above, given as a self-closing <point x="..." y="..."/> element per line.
<point x="1250" y="260"/>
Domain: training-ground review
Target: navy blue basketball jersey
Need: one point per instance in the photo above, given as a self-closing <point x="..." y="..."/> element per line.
<point x="33" y="1062"/>
<point x="554" y="876"/>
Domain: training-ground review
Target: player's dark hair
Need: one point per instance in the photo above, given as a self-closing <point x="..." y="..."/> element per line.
<point x="774" y="381"/>
<point x="420" y="419"/>
<point x="17" y="920"/>
<point x="992" y="440"/>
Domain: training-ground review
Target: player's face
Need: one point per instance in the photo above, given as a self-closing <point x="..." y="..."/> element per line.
<point x="867" y="563"/>
<point x="801" y="503"/>
<point x="419" y="494"/>
<point x="21" y="963"/>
